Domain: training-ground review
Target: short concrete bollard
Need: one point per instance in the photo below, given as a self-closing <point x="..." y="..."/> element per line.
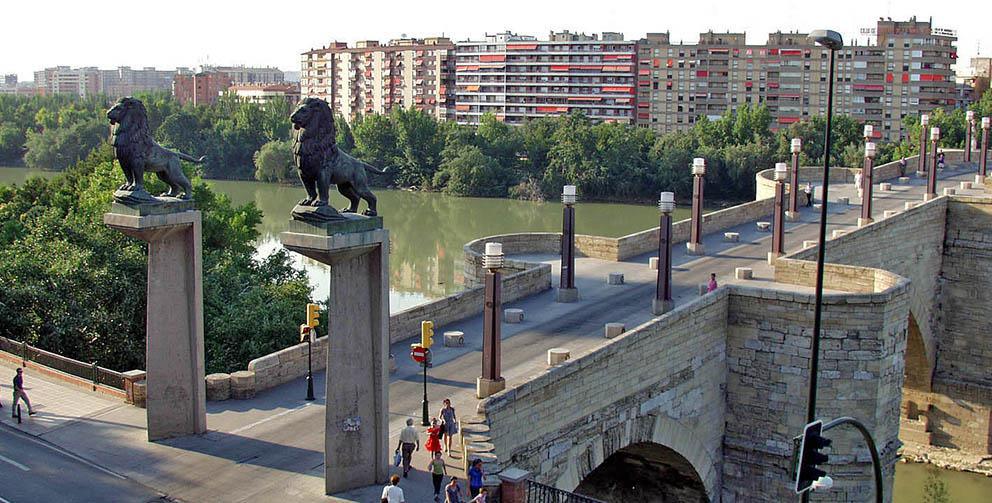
<point x="764" y="226"/>
<point x="242" y="385"/>
<point x="838" y="233"/>
<point x="965" y="185"/>
<point x="513" y="315"/>
<point x="809" y="243"/>
<point x="139" y="392"/>
<point x="890" y="213"/>
<point x="557" y="356"/>
<point x="885" y="187"/>
<point x="454" y="339"/>
<point x="843" y="200"/>
<point x="732" y="237"/>
<point x="744" y="273"/>
<point x="949" y="191"/>
<point x="903" y="179"/>
<point x="615" y="329"/>
<point x="218" y="387"/>
<point x="614" y="278"/>
<point x="653" y="263"/>
<point x="908" y="205"/>
<point x="979" y="180"/>
<point x="703" y="289"/>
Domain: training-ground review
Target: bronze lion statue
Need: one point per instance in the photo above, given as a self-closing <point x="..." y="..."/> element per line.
<point x="137" y="152"/>
<point x="322" y="163"/>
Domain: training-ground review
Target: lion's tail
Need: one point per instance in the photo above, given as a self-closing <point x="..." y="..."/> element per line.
<point x="374" y="169"/>
<point x="187" y="157"/>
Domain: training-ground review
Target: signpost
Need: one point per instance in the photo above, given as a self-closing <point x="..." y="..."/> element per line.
<point x="421" y="353"/>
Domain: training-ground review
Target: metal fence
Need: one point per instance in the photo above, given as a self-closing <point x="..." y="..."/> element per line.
<point x="540" y="493"/>
<point x="89" y="371"/>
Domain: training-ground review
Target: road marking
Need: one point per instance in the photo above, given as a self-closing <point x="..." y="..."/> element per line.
<point x="73" y="456"/>
<point x="270" y="418"/>
<point x="3" y="500"/>
<point x="15" y="463"/>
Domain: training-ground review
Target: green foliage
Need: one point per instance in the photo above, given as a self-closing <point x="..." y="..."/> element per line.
<point x="71" y="285"/>
<point x="58" y="148"/>
<point x="934" y="490"/>
<point x="467" y="171"/>
<point x="12" y="142"/>
<point x="274" y="162"/>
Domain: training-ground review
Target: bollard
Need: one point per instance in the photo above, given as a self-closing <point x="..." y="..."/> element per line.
<point x="455" y="338"/>
<point x="731" y="237"/>
<point x="908" y="205"/>
<point x="885" y="187"/>
<point x="614" y="278"/>
<point x="743" y="273"/>
<point x="513" y="315"/>
<point x="904" y="179"/>
<point x="809" y="243"/>
<point x="890" y="213"/>
<point x="653" y="263"/>
<point x="218" y="387"/>
<point x="557" y="356"/>
<point x="764" y="226"/>
<point x="838" y="233"/>
<point x="615" y="329"/>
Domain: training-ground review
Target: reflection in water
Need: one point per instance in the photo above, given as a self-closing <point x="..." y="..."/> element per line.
<point x="961" y="487"/>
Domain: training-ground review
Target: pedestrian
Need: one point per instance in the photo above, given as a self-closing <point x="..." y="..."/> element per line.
<point x="453" y="492"/>
<point x="808" y="190"/>
<point x="902" y="167"/>
<point x="482" y="497"/>
<point x="19" y="394"/>
<point x="433" y="444"/>
<point x="712" y="284"/>
<point x="859" y="183"/>
<point x="449" y="424"/>
<point x="392" y="492"/>
<point x="475" y="476"/>
<point x="940" y="160"/>
<point x="408" y="441"/>
<point x="438" y="471"/>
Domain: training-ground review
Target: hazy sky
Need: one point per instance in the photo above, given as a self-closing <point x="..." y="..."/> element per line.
<point x="173" y="33"/>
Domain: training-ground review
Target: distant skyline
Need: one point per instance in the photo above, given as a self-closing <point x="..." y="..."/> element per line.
<point x="256" y="33"/>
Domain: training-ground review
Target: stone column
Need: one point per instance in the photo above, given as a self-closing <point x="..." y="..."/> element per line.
<point x="793" y="213"/>
<point x="356" y="427"/>
<point x="176" y="391"/>
<point x="695" y="244"/>
<point x="492" y="380"/>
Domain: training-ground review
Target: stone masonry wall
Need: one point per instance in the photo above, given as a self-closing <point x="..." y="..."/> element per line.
<point x="661" y="382"/>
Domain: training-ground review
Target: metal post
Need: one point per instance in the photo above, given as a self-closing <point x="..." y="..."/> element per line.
<point x="662" y="302"/>
<point x="778" y="218"/>
<point x="876" y="461"/>
<point x="867" y="179"/>
<point x="932" y="174"/>
<point x="793" y="213"/>
<point x="310" y="337"/>
<point x="567" y="279"/>
<point x="695" y="244"/>
<point x="924" y="121"/>
<point x="970" y="123"/>
<point x="983" y="162"/>
<point x="424" y="412"/>
<point x="491" y="381"/>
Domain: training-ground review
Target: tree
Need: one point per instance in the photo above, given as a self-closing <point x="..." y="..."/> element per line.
<point x="344" y="138"/>
<point x="12" y="142"/>
<point x="467" y="171"/>
<point x="274" y="162"/>
<point x="58" y="148"/>
<point x="419" y="146"/>
<point x="375" y="141"/>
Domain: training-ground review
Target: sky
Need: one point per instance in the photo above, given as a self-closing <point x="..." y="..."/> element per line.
<point x="35" y="35"/>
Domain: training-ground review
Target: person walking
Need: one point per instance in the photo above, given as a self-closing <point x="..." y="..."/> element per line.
<point x="940" y="160"/>
<point x="712" y="284"/>
<point x="433" y="444"/>
<point x="449" y="424"/>
<point x="859" y="183"/>
<point x="902" y="167"/>
<point x="438" y="471"/>
<point x="19" y="394"/>
<point x="475" y="477"/>
<point x="392" y="492"/>
<point x="808" y="190"/>
<point x="453" y="492"/>
<point x="482" y="497"/>
<point x="408" y="441"/>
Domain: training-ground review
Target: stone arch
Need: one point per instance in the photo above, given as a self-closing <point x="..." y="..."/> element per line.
<point x="919" y="362"/>
<point x="644" y="471"/>
<point x="654" y="437"/>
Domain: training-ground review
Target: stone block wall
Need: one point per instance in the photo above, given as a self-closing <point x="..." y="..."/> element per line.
<point x="287" y="364"/>
<point x="513" y="244"/>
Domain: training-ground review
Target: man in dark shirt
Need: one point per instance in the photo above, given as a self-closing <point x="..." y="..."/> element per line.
<point x="19" y="394"/>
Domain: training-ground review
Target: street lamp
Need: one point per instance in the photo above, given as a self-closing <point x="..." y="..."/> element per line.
<point x="969" y="117"/>
<point x="695" y="244"/>
<point x="924" y="122"/>
<point x="566" y="286"/>
<point x="932" y="174"/>
<point x="793" y="213"/>
<point x="491" y="382"/>
<point x="986" y="123"/>
<point x="662" y="302"/>
<point x="866" y="180"/>
<point x="778" y="222"/>
<point x="869" y="131"/>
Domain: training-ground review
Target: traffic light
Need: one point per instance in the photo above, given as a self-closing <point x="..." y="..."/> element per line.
<point x="426" y="334"/>
<point x="313" y="315"/>
<point x="810" y="456"/>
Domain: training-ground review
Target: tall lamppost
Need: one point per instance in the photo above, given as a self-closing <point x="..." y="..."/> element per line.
<point x="695" y="244"/>
<point x="491" y="381"/>
<point x="662" y="302"/>
<point x="969" y="117"/>
<point x="566" y="286"/>
<point x="793" y="213"/>
<point x="866" y="180"/>
<point x="932" y="174"/>
<point x="778" y="221"/>
<point x="983" y="162"/>
<point x="924" y="122"/>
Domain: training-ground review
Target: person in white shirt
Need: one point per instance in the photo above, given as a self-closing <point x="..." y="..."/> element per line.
<point x="409" y="440"/>
<point x="859" y="183"/>
<point x="392" y="492"/>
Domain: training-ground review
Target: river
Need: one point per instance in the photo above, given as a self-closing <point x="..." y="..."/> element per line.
<point x="428" y="230"/>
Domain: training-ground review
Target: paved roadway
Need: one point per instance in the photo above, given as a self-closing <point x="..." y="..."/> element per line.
<point x="271" y="448"/>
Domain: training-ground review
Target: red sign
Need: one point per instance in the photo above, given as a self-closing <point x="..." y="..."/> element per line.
<point x="418" y="353"/>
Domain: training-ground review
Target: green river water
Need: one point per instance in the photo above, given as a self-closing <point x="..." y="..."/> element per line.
<point x="428" y="231"/>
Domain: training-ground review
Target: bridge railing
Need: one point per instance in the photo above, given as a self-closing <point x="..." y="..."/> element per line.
<point x="85" y="371"/>
<point x="540" y="493"/>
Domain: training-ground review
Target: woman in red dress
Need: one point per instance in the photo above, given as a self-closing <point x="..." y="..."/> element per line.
<point x="433" y="440"/>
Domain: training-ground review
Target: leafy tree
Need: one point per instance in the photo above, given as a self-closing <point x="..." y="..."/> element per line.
<point x="58" y="148"/>
<point x="467" y="171"/>
<point x="274" y="162"/>
<point x="375" y="141"/>
<point x="419" y="146"/>
<point x="12" y="141"/>
<point x="344" y="138"/>
<point x="499" y="140"/>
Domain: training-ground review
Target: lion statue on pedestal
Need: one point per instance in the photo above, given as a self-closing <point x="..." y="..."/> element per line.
<point x="322" y="163"/>
<point x="137" y="153"/>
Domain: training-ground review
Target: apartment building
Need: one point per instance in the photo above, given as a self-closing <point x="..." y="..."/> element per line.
<point x="375" y="78"/>
<point x="65" y="80"/>
<point x="265" y="93"/>
<point x="249" y="74"/>
<point x="518" y="77"/>
<point x="201" y="88"/>
<point x="125" y="81"/>
<point x="904" y="73"/>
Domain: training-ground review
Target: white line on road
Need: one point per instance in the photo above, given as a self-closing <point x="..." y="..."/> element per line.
<point x="15" y="463"/>
<point x="73" y="456"/>
<point x="3" y="500"/>
<point x="270" y="418"/>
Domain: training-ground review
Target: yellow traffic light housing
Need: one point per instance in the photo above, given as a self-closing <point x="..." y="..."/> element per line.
<point x="426" y="334"/>
<point x="313" y="315"/>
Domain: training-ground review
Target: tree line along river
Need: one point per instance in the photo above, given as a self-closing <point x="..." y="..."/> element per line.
<point x="428" y="231"/>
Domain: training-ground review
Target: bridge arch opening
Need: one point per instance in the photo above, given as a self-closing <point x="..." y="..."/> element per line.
<point x="645" y="471"/>
<point x="917" y="372"/>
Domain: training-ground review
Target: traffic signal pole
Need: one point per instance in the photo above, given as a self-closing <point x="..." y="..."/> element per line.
<point x="425" y="414"/>
<point x="426" y="341"/>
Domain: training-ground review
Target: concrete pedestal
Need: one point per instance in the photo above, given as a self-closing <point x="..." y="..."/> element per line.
<point x="744" y="273"/>
<point x="792" y="216"/>
<point x="557" y="356"/>
<point x="659" y="307"/>
<point x="356" y="427"/>
<point x="653" y="263"/>
<point x="612" y="330"/>
<point x="695" y="248"/>
<point x="176" y="390"/>
<point x="513" y="315"/>
<point x="772" y="257"/>
<point x="454" y="339"/>
<point x="928" y="196"/>
<point x="565" y="295"/>
<point x="979" y="180"/>
<point x="487" y="387"/>
<point x="864" y="221"/>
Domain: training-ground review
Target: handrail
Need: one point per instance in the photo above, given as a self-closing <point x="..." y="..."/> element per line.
<point x="541" y="493"/>
<point x="90" y="371"/>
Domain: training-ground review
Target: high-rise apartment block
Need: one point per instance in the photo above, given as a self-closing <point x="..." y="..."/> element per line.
<point x="249" y="74"/>
<point x="519" y="77"/>
<point x="125" y="81"/>
<point x="66" y="80"/>
<point x="903" y="71"/>
<point x="373" y="78"/>
<point x="201" y="88"/>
